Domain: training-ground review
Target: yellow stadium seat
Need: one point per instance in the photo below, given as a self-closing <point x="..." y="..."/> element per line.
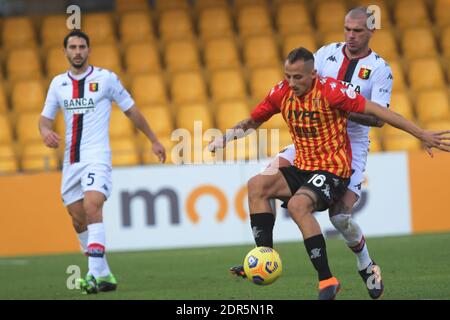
<point x="229" y="113"/>
<point x="239" y="4"/>
<point x="330" y="15"/>
<point x="332" y="36"/>
<point x="215" y="22"/>
<point x="263" y="80"/>
<point x="445" y="42"/>
<point x="187" y="87"/>
<point x="3" y="101"/>
<point x="401" y="142"/>
<point x="8" y="162"/>
<point x="175" y="24"/>
<point x="27" y="95"/>
<point x="5" y="132"/>
<point x="261" y="51"/>
<point x="433" y="105"/>
<point x="148" y="89"/>
<point x="375" y="144"/>
<point x="148" y="157"/>
<point x="172" y="5"/>
<point x="418" y="43"/>
<point x="99" y="27"/>
<point x="19" y="70"/>
<point x="160" y="120"/>
<point x="120" y="125"/>
<point x="187" y="116"/>
<point x="131" y="5"/>
<point x="38" y="157"/>
<point x="124" y="152"/>
<point x="53" y="31"/>
<point x="187" y="61"/>
<point x="401" y="104"/>
<point x="411" y="13"/>
<point x="17" y="33"/>
<point x="295" y="40"/>
<point x="56" y="62"/>
<point x="425" y="73"/>
<point x="227" y="85"/>
<point x="383" y="43"/>
<point x="399" y="77"/>
<point x="221" y="53"/>
<point x="206" y="4"/>
<point x="27" y="127"/>
<point x="442" y="12"/>
<point x="142" y="58"/>
<point x="293" y="18"/>
<point x="106" y="56"/>
<point x="438" y="125"/>
<point x="135" y="27"/>
<point x="254" y="20"/>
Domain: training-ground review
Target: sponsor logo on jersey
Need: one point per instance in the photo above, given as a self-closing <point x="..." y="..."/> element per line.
<point x="79" y="105"/>
<point x="93" y="86"/>
<point x="364" y="73"/>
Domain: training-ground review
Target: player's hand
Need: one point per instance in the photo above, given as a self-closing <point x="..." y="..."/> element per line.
<point x="436" y="139"/>
<point x="50" y="138"/>
<point x="159" y="150"/>
<point x="217" y="143"/>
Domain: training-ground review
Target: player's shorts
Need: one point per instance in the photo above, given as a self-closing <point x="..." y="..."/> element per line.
<point x="359" y="160"/>
<point x="80" y="177"/>
<point x="328" y="187"/>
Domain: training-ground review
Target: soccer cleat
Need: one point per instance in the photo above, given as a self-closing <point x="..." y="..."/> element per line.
<point x="108" y="283"/>
<point x="328" y="289"/>
<point x="238" y="271"/>
<point x="372" y="279"/>
<point x="88" y="285"/>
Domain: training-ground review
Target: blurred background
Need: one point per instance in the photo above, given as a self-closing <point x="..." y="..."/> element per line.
<point x="207" y="60"/>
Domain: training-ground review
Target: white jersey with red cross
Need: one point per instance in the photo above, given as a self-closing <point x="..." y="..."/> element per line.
<point x="86" y="103"/>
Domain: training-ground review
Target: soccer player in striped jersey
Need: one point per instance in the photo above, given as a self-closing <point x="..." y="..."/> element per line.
<point x="355" y="65"/>
<point x="315" y="110"/>
<point x="84" y="94"/>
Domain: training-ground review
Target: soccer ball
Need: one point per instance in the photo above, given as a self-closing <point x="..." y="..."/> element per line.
<point x="262" y="266"/>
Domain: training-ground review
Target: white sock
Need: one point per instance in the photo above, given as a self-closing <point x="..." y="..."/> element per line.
<point x="354" y="238"/>
<point x="83" y="239"/>
<point x="98" y="266"/>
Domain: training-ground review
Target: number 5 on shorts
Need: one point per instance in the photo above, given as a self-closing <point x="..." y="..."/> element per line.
<point x="91" y="176"/>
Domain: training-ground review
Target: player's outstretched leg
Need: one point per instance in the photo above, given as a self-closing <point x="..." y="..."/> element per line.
<point x="262" y="227"/>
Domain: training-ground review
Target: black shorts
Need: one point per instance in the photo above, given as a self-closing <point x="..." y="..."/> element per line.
<point x="328" y="187"/>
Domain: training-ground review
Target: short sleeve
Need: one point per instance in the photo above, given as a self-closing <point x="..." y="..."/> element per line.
<point x="341" y="97"/>
<point x="382" y="86"/>
<point x="271" y="104"/>
<point x="119" y="94"/>
<point x="319" y="56"/>
<point x="51" y="105"/>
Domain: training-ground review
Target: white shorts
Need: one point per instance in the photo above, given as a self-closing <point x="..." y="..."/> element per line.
<point x="80" y="177"/>
<point x="359" y="160"/>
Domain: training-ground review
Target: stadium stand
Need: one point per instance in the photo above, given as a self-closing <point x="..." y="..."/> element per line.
<point x="213" y="60"/>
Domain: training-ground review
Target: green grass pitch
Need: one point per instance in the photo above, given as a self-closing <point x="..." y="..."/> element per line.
<point x="413" y="267"/>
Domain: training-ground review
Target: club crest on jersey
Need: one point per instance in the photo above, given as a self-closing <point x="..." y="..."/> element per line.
<point x="364" y="72"/>
<point x="93" y="86"/>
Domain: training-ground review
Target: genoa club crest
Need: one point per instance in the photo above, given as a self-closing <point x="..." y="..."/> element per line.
<point x="364" y="73"/>
<point x="93" y="86"/>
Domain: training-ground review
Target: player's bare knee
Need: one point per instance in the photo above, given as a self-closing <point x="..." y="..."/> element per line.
<point x="300" y="205"/>
<point x="258" y="187"/>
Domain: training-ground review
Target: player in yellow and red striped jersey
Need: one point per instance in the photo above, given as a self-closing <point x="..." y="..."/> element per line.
<point x="315" y="110"/>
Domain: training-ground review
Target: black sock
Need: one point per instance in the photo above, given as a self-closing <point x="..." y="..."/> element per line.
<point x="317" y="251"/>
<point x="262" y="228"/>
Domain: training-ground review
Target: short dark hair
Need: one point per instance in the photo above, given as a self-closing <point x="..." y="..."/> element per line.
<point x="300" y="54"/>
<point x="76" y="33"/>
